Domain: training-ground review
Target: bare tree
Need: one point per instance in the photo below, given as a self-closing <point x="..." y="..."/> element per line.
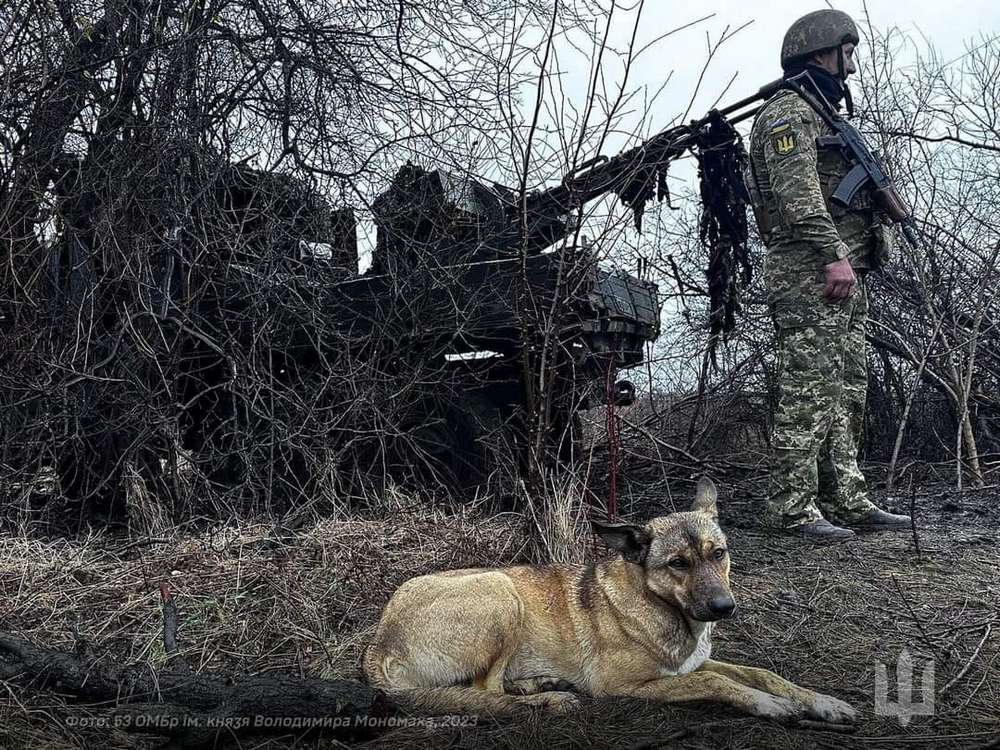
<point x="162" y="164"/>
<point x="936" y="121"/>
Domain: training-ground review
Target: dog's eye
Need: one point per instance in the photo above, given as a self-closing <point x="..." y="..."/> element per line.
<point x="719" y="553"/>
<point x="678" y="563"/>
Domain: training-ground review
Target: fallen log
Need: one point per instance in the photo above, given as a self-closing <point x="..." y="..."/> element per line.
<point x="196" y="709"/>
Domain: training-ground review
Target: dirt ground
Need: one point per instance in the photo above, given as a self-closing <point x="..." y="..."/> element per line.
<point x="252" y="601"/>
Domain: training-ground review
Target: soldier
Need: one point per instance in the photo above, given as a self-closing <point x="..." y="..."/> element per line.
<point x="818" y="255"/>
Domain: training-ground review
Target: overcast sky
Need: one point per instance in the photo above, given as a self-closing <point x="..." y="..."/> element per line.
<point x="753" y="53"/>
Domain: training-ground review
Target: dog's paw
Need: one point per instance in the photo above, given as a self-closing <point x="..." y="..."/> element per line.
<point x="768" y="706"/>
<point x="833" y="710"/>
<point x="554" y="701"/>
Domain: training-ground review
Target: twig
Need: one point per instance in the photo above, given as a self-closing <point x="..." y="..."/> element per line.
<point x="968" y="664"/>
<point x="989" y="745"/>
<point x="670" y="739"/>
<point x="825" y="726"/>
<point x="663" y="443"/>
<point x="913" y="614"/>
<point x="913" y="519"/>
<point x="144" y="543"/>
<point x="975" y="691"/>
<point x="170" y="630"/>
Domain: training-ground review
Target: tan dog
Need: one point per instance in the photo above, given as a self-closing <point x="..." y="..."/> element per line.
<point x="488" y="640"/>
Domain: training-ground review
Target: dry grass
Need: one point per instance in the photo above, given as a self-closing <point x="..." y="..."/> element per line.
<point x="253" y="599"/>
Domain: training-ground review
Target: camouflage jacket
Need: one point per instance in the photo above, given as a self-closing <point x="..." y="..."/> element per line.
<point x="791" y="181"/>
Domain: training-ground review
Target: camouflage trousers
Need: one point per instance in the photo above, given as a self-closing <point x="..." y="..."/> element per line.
<point x="822" y="384"/>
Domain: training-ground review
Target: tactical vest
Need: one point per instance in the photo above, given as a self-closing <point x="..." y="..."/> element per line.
<point x="860" y="226"/>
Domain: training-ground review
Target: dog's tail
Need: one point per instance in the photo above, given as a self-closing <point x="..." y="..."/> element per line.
<point x="455" y="700"/>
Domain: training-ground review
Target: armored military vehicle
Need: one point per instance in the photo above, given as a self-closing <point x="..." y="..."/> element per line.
<point x="456" y="284"/>
<point x="484" y="315"/>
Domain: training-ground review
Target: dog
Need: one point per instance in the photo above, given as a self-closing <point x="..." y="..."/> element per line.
<point x="487" y="641"/>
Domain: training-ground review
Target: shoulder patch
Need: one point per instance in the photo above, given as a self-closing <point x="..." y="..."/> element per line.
<point x="783" y="138"/>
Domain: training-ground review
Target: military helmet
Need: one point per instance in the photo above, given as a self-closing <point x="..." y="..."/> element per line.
<point x="815" y="32"/>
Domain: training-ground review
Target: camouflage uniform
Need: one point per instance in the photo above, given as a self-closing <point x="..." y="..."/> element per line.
<point x="821" y="345"/>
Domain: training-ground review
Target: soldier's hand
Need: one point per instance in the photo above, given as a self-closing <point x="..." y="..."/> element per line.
<point x="840" y="281"/>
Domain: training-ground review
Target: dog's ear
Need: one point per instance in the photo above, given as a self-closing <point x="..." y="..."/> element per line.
<point x="706" y="497"/>
<point x="632" y="541"/>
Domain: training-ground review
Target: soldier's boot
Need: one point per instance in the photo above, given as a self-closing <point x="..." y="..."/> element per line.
<point x="821" y="530"/>
<point x="791" y="504"/>
<point x="879" y="520"/>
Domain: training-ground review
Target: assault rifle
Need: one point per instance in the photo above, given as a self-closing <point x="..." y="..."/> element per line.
<point x="868" y="169"/>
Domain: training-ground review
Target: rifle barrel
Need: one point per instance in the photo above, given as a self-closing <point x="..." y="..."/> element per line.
<point x="764" y="92"/>
<point x="745" y="115"/>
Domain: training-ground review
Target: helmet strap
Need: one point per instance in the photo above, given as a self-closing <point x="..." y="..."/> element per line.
<point x="816" y="89"/>
<point x="842" y="74"/>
